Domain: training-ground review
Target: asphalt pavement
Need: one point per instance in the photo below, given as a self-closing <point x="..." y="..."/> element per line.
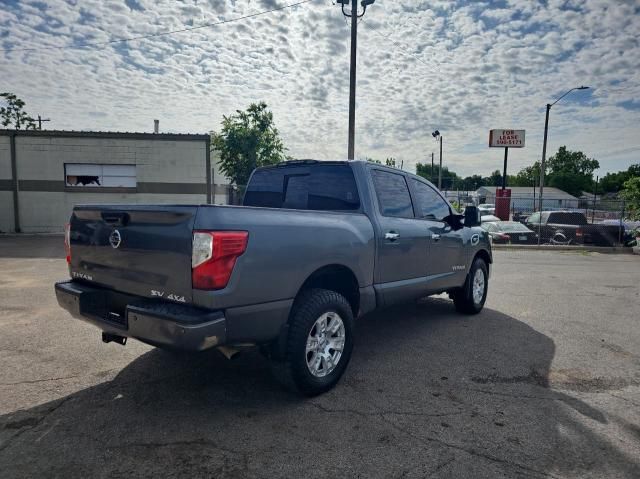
<point x="545" y="382"/>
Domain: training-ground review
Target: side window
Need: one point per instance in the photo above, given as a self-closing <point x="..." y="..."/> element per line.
<point x="429" y="204"/>
<point x="333" y="188"/>
<point x="393" y="194"/>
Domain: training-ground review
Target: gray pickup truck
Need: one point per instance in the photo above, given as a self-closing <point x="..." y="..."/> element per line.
<point x="315" y="245"/>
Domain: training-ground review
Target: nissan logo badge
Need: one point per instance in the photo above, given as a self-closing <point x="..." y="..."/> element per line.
<point x="115" y="239"/>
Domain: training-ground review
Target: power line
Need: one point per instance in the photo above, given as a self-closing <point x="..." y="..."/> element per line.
<point x="403" y="49"/>
<point x="153" y="35"/>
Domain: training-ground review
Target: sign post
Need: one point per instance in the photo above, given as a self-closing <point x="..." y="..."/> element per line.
<point x="505" y="139"/>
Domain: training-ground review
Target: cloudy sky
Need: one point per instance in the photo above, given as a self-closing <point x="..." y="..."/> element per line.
<point x="459" y="67"/>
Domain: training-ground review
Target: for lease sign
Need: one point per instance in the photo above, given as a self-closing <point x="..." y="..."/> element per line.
<point x="506" y="138"/>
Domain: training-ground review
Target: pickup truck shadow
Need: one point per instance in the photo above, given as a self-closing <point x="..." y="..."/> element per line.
<point x="428" y="392"/>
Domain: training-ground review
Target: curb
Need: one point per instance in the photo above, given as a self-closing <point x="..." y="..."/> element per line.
<point x="590" y="249"/>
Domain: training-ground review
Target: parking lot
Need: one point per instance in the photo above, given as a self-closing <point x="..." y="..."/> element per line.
<point x="545" y="382"/>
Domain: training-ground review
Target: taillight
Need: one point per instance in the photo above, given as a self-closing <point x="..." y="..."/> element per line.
<point x="579" y="232"/>
<point x="214" y="255"/>
<point x="67" y="242"/>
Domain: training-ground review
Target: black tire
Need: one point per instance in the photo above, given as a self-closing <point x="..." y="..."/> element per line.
<point x="559" y="238"/>
<point x="293" y="371"/>
<point x="463" y="298"/>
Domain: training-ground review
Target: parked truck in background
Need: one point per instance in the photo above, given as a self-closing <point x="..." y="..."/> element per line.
<point x="314" y="246"/>
<point x="572" y="227"/>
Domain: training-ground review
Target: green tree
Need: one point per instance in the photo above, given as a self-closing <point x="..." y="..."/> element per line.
<point x="614" y="182"/>
<point x="12" y="114"/>
<point x="631" y="193"/>
<point x="495" y="179"/>
<point x="247" y="141"/>
<point x="450" y="180"/>
<point x="528" y="176"/>
<point x="472" y="183"/>
<point x="391" y="162"/>
<point x="571" y="171"/>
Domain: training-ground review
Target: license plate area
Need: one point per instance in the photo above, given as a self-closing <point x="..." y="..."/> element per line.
<point x="522" y="238"/>
<point x="106" y="306"/>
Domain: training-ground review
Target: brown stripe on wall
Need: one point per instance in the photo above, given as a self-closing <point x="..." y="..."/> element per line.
<point x="173" y="188"/>
<point x="57" y="186"/>
<point x="50" y="186"/>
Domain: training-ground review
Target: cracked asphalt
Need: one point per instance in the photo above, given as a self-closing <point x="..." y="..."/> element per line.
<point x="545" y="382"/>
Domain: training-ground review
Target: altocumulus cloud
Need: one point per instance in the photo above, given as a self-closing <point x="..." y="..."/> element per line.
<point x="460" y="67"/>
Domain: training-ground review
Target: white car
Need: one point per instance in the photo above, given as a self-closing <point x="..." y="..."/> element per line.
<point x="487" y="209"/>
<point x="489" y="218"/>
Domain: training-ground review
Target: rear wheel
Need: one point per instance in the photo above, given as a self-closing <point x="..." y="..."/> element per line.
<point x="471" y="297"/>
<point x="560" y="238"/>
<point x="318" y="344"/>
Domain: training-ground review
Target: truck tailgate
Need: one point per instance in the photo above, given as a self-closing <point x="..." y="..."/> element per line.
<point x="140" y="250"/>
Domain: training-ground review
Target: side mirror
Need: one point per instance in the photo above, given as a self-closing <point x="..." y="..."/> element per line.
<point x="471" y="216"/>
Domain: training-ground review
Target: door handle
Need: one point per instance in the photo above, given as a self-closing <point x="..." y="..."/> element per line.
<point x="391" y="235"/>
<point x="435" y="237"/>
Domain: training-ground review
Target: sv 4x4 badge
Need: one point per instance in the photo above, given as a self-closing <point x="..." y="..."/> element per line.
<point x="171" y="296"/>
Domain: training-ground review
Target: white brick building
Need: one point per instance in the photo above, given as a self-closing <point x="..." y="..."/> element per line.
<point x="44" y="173"/>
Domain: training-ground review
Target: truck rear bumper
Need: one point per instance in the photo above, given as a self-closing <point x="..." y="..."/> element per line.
<point x="167" y="325"/>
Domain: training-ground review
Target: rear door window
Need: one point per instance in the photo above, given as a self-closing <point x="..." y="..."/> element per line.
<point x="393" y="194"/>
<point x="333" y="187"/>
<point x="329" y="187"/>
<point x="567" y="218"/>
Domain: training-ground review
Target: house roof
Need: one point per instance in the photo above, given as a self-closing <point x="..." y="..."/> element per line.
<point x="528" y="191"/>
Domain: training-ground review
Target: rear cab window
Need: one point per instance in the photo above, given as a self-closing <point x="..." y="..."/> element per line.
<point x="320" y="186"/>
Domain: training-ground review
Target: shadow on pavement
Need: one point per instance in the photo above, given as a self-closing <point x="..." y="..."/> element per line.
<point x="427" y="392"/>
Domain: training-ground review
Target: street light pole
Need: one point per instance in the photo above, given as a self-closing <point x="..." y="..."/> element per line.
<point x="352" y="70"/>
<point x="438" y="137"/>
<point x="544" y="156"/>
<point x="432" y="167"/>
<point x="544" y="143"/>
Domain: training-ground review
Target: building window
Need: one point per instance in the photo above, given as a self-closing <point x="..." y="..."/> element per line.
<point x="91" y="175"/>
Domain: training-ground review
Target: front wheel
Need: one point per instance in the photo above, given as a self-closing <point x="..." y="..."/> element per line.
<point x="471" y="297"/>
<point x="318" y="344"/>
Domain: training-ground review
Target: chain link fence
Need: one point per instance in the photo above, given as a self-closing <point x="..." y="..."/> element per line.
<point x="562" y="221"/>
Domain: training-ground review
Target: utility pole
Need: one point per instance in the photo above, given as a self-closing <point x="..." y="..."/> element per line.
<point x="40" y="120"/>
<point x="440" y="169"/>
<point x="352" y="72"/>
<point x="595" y="196"/>
<point x="432" y="167"/>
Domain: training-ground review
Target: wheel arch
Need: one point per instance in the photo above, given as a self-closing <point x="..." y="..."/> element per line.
<point x="485" y="256"/>
<point x="338" y="278"/>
